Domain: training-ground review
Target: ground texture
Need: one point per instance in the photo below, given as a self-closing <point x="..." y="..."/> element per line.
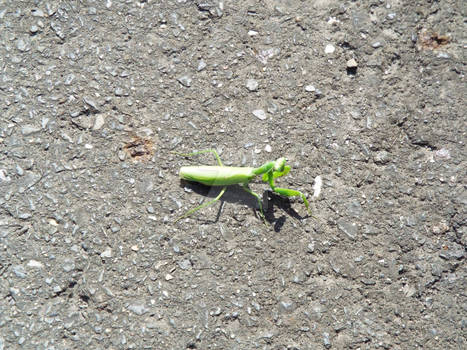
<point x="368" y="96"/>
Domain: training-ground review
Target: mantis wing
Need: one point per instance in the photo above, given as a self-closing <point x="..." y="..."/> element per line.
<point x="276" y="174"/>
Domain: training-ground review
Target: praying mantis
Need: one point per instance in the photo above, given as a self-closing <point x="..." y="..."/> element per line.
<point x="226" y="175"/>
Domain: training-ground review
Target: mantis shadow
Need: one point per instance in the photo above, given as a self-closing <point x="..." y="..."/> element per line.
<point x="234" y="194"/>
<point x="271" y="199"/>
<point x="237" y="195"/>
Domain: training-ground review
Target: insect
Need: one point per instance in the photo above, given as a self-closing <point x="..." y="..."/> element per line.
<point x="225" y="175"/>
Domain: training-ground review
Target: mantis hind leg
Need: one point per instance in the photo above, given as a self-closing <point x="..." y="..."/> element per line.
<point x="213" y="151"/>
<point x="191" y="211"/>
<point x="258" y="198"/>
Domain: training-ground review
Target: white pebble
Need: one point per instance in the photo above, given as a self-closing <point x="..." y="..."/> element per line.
<point x="318" y="184"/>
<point x="252" y="84"/>
<point x="107" y="253"/>
<point x="260" y="114"/>
<point x="201" y="65"/>
<point x="268" y="148"/>
<point x="19" y="170"/>
<point x="29" y="129"/>
<point x="98" y="122"/>
<point x="442" y="153"/>
<point x="352" y="63"/>
<point x="310" y="88"/>
<point x="35" y="263"/>
<point x="329" y="48"/>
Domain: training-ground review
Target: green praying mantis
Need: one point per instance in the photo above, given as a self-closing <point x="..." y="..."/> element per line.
<point x="226" y="175"/>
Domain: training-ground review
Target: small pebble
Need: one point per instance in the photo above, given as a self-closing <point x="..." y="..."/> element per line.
<point x="22" y="45"/>
<point x="442" y="153"/>
<point x="268" y="148"/>
<point x="19" y="170"/>
<point x="252" y="84"/>
<point x="37" y="13"/>
<point x="24" y="216"/>
<point x="260" y="114"/>
<point x="350" y="229"/>
<point x="138" y="309"/>
<point x="317" y="186"/>
<point x="184" y="264"/>
<point x="201" y="65"/>
<point x="443" y="55"/>
<point x="68" y="265"/>
<point x="252" y="33"/>
<point x="376" y="44"/>
<point x="185" y="81"/>
<point x="329" y="49"/>
<point x="381" y="157"/>
<point x="352" y="63"/>
<point x="19" y="271"/>
<point x="98" y="122"/>
<point x="326" y="341"/>
<point x="90" y="102"/>
<point x="69" y="79"/>
<point x="287" y="306"/>
<point x="29" y="129"/>
<point x="310" y="88"/>
<point x="107" y="253"/>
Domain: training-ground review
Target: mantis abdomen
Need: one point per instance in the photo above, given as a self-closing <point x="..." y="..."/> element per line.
<point x="217" y="175"/>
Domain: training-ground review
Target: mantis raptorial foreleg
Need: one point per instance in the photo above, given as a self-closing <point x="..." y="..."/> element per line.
<point x="286" y="192"/>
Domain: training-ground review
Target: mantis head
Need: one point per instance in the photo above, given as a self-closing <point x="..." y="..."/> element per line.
<point x="279" y="164"/>
<point x="280" y="169"/>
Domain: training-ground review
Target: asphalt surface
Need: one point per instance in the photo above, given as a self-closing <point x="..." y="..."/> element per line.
<point x="366" y="100"/>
